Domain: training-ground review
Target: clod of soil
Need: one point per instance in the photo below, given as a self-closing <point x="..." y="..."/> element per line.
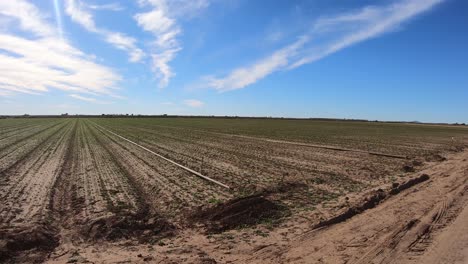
<point x="408" y="184"/>
<point x="239" y="212"/>
<point x="457" y="148"/>
<point x="408" y="168"/>
<point x="435" y="157"/>
<point x="131" y="226"/>
<point x="15" y="241"/>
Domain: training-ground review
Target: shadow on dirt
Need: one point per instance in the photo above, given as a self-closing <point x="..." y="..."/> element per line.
<point x="27" y="245"/>
<point x="240" y="212"/>
<point x="144" y="228"/>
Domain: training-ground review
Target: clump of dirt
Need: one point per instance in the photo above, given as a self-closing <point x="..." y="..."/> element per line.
<point x="14" y="243"/>
<point x="143" y="228"/>
<point x="408" y="168"/>
<point x="411" y="166"/>
<point x="284" y="187"/>
<point x="397" y="189"/>
<point x="457" y="148"/>
<point x="435" y="157"/>
<point x="240" y="212"/>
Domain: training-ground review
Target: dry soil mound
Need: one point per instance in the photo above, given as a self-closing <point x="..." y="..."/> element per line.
<point x="246" y="211"/>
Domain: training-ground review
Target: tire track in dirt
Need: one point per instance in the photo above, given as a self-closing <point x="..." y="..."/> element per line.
<point x="411" y="240"/>
<point x="397" y="231"/>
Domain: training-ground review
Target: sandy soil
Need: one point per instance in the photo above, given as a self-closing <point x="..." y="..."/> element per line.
<point x="425" y="223"/>
<point x="408" y="228"/>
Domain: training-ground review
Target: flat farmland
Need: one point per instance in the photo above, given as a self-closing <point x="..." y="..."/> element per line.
<point x="70" y="184"/>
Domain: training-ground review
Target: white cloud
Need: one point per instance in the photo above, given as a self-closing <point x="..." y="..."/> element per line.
<point x="75" y="9"/>
<point x="36" y="64"/>
<point x="155" y="21"/>
<point x="327" y="36"/>
<point x="79" y="13"/>
<point x="28" y="16"/>
<point x="4" y="93"/>
<point x="126" y="43"/>
<point x="111" y="7"/>
<point x="88" y="99"/>
<point x="242" y="77"/>
<point x="83" y="98"/>
<point x="193" y="103"/>
<point x="161" y="21"/>
<point x="365" y="24"/>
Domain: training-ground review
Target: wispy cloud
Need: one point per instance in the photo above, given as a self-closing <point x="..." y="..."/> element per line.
<point x="193" y="103"/>
<point x="29" y="17"/>
<point x="243" y="77"/>
<point x="36" y="63"/>
<point x="83" y="98"/>
<point x="88" y="99"/>
<point x="326" y="36"/>
<point x="111" y="7"/>
<point x="161" y="21"/>
<point x="126" y="43"/>
<point x="4" y="93"/>
<point x="79" y="13"/>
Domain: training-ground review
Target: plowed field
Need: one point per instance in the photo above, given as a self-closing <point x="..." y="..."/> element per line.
<point x="72" y="188"/>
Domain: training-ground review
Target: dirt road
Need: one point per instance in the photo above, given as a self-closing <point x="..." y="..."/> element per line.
<point x="424" y="224"/>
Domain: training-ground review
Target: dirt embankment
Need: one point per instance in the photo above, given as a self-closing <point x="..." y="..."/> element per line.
<point x="399" y="226"/>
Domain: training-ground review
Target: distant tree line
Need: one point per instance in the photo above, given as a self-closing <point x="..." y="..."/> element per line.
<point x="66" y="115"/>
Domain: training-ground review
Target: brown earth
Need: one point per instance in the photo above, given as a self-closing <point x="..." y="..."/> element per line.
<point x="73" y="193"/>
<point x="408" y="228"/>
<point x="420" y="220"/>
<point x="240" y="212"/>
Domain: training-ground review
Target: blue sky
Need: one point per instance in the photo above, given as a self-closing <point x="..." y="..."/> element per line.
<point x="387" y="60"/>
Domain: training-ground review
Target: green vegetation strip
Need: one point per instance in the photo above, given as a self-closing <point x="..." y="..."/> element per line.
<point x="166" y="159"/>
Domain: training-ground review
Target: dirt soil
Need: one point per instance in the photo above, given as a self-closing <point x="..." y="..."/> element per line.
<point x="420" y="220"/>
<point x="73" y="193"/>
<point x="241" y="212"/>
<point x="423" y="224"/>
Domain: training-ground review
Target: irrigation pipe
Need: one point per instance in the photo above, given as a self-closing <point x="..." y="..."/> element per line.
<point x="298" y="143"/>
<point x="166" y="159"/>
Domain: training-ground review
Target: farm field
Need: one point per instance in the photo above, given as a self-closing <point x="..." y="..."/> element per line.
<point x="154" y="189"/>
